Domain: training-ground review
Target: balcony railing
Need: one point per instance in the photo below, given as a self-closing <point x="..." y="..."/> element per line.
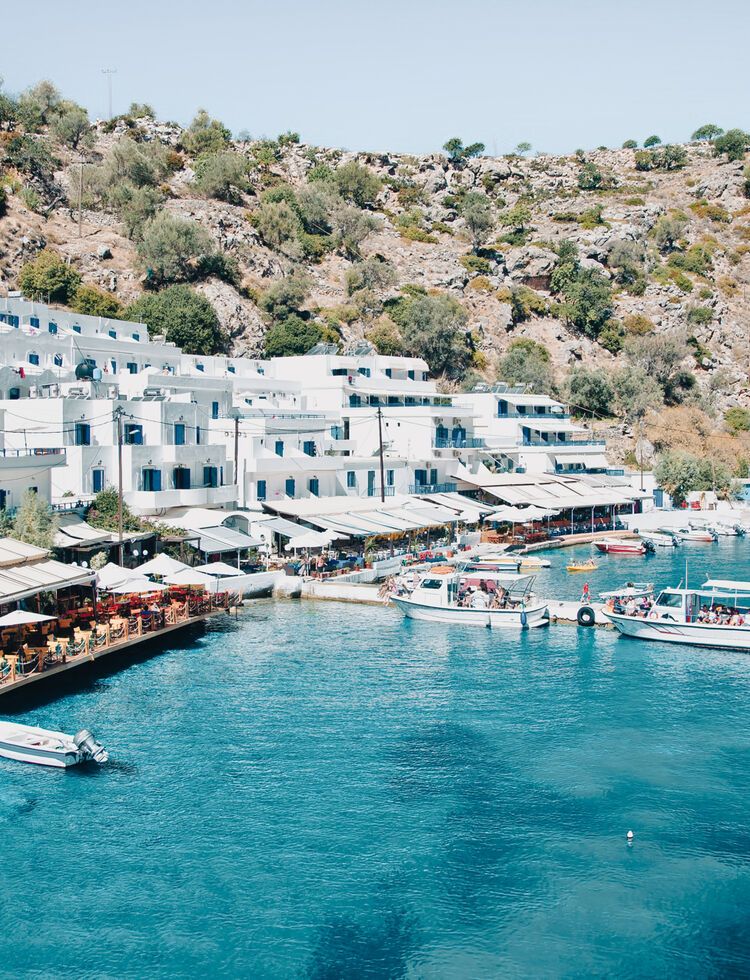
<point x="471" y="443"/>
<point x="433" y="488"/>
<point x="375" y="491"/>
<point x="534" y="416"/>
<point x="15" y="453"/>
<point x="571" y="443"/>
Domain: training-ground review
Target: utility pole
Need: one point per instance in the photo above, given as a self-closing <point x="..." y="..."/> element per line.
<point x="382" y="468"/>
<point x="118" y="414"/>
<point x="640" y="445"/>
<point x="80" y="196"/>
<point x="109" y="72"/>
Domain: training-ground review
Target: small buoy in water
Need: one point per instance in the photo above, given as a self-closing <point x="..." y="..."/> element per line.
<point x="630" y="835"/>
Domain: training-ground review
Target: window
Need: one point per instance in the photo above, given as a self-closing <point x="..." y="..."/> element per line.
<point x="431" y="583"/>
<point x="75" y="328"/>
<point x="370" y="483"/>
<point x="351" y="479"/>
<point x="97" y="480"/>
<point x="339" y="372"/>
<point x="112" y="334"/>
<point x="214" y="410"/>
<point x="671" y="599"/>
<point x="34" y="321"/>
<point x="410" y="375"/>
<point x="390" y="478"/>
<point x="179" y="433"/>
<point x="289" y="487"/>
<point x="197" y="435"/>
<point x="364" y="371"/>
<point x="181" y="478"/>
<point x="308" y="448"/>
<point x="314" y="486"/>
<point x="34" y="359"/>
<point x="58" y="360"/>
<point x="133" y="434"/>
<point x="82" y="434"/>
<point x="151" y="480"/>
<point x="113" y="367"/>
<point x="231" y="369"/>
<point x="14" y="394"/>
<point x="131" y="367"/>
<point x="279" y="447"/>
<point x="388" y="372"/>
<point x="502" y="408"/>
<point x="52" y="327"/>
<point x="355" y="401"/>
<point x="261" y="493"/>
<point x="199" y="367"/>
<point x="210" y="476"/>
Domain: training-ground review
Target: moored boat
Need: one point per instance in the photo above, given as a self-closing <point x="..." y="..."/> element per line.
<point x="582" y="566"/>
<point x="703" y="535"/>
<point x="622" y="546"/>
<point x="660" y="539"/>
<point x="507" y="604"/>
<point x="716" y="615"/>
<point x="25" y="743"/>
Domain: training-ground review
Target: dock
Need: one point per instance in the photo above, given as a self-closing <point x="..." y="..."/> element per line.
<point x="100" y="643"/>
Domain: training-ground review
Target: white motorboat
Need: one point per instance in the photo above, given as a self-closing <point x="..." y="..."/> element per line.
<point x="631" y="590"/>
<point x="659" y="539"/>
<point x="495" y="562"/>
<point x="623" y="546"/>
<point x="716" y="615"/>
<point x="691" y="534"/>
<point x="717" y="528"/>
<point x="436" y="599"/>
<point x="25" y="743"/>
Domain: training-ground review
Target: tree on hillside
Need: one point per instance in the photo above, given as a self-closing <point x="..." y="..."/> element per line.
<point x="205" y="135"/>
<point x="477" y="212"/>
<point x="184" y="317"/>
<point x="527" y="362"/>
<point x="679" y="473"/>
<point x="34" y="522"/>
<point x="626" y="258"/>
<point x="172" y="248"/>
<point x="659" y="357"/>
<point x="635" y="393"/>
<point x="48" y="277"/>
<point x="652" y="141"/>
<point x="357" y="184"/>
<point x="732" y="144"/>
<point x="38" y="105"/>
<point x="668" y="230"/>
<point x="285" y="296"/>
<point x="385" y="337"/>
<point x="373" y="274"/>
<point x="433" y="326"/>
<point x="279" y="225"/>
<point x="522" y="148"/>
<point x="351" y="227"/>
<point x="629" y="145"/>
<point x="457" y="152"/>
<point x="96" y="302"/>
<point x="71" y="127"/>
<point x="222" y="175"/>
<point x="708" y="132"/>
<point x="590" y="392"/>
<point x="588" y="301"/>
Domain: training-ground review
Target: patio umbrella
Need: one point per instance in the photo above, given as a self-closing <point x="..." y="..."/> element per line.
<point x="189" y="576"/>
<point x="134" y="586"/>
<point x="311" y="539"/>
<point x="161" y="565"/>
<point x="20" y="617"/>
<point x="111" y="575"/>
<point x="217" y="568"/>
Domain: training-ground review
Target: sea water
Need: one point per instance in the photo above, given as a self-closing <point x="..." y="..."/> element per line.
<point x="321" y="790"/>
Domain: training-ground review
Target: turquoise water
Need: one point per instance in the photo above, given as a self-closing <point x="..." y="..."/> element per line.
<point x="321" y="791"/>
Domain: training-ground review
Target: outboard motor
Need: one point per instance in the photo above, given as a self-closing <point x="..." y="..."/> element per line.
<point x="650" y="547"/>
<point x="89" y="747"/>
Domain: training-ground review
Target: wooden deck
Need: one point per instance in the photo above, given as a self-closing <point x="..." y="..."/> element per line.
<point x="94" y="650"/>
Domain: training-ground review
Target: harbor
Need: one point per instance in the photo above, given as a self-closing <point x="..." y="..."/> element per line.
<point x="502" y="771"/>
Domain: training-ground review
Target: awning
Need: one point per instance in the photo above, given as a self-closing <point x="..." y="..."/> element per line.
<point x="279" y="525"/>
<point x="44" y="576"/>
<point x="14" y="552"/>
<point x="217" y="540"/>
<point x="74" y="532"/>
<point x="592" y="461"/>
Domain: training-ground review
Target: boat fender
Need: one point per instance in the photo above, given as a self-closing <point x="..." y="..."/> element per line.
<point x="586" y="616"/>
<point x="524" y="619"/>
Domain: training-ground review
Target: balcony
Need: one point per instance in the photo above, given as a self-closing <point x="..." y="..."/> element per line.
<point x="533" y="416"/>
<point x="375" y="492"/>
<point x="571" y="444"/>
<point x="152" y="501"/>
<point x="433" y="488"/>
<point x="472" y="443"/>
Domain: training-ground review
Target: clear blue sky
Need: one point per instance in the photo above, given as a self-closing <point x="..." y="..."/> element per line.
<point x="401" y="74"/>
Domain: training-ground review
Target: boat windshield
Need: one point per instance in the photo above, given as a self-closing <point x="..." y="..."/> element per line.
<point x="431" y="583"/>
<point x="671" y="599"/>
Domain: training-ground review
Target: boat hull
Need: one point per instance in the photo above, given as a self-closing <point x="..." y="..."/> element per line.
<point x="619" y="549"/>
<point x="536" y="615"/>
<point x="40" y="757"/>
<point x="25" y="743"/>
<point x="691" y="634"/>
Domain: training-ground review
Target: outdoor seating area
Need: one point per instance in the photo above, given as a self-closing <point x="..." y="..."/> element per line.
<point x="33" y="643"/>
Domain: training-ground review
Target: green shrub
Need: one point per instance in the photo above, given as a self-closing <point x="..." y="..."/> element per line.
<point x="183" y="317"/>
<point x="222" y="175"/>
<point x="279" y="225"/>
<point x="732" y="144"/>
<point x="477" y="214"/>
<point x="588" y="301"/>
<point x="457" y="152"/>
<point x="205" y="135"/>
<point x="49" y="278"/>
<point x="652" y="141"/>
<point x="590" y="392"/>
<point x="712" y="211"/>
<point x="476" y="264"/>
<point x="433" y="327"/>
<point x="71" y="127"/>
<point x="611" y="336"/>
<point x="700" y="315"/>
<point x="636" y="324"/>
<point x="697" y="259"/>
<point x="357" y="184"/>
<point x="527" y="362"/>
<point x="629" y="145"/>
<point x="291" y="336"/>
<point x="285" y="296"/>
<point x="708" y="132"/>
<point x="174" y="249"/>
<point x="385" y="337"/>
<point x="737" y="420"/>
<point x="591" y="217"/>
<point x="96" y="302"/>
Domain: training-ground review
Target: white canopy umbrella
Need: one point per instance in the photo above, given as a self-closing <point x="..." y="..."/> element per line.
<point x="110" y="575"/>
<point x="311" y="539"/>
<point x="136" y="586"/>
<point x="189" y="576"/>
<point x="20" y="617"/>
<point x="218" y="568"/>
<point x="161" y="565"/>
<point x="505" y="513"/>
<point x="533" y="513"/>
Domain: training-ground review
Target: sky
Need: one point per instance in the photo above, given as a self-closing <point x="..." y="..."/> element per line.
<point x="400" y="75"/>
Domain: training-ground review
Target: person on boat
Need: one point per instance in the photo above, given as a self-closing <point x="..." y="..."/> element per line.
<point x="479" y="600"/>
<point x="630" y="607"/>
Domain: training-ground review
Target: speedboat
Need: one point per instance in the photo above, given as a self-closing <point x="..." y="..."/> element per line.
<point x="582" y="566"/>
<point x="495" y="562"/>
<point x="435" y="599"/>
<point x="716" y="615"/>
<point x="533" y="563"/>
<point x="623" y="546"/>
<point x="660" y="539"/>
<point x="25" y="743"/>
<point x="717" y="528"/>
<point x="690" y="534"/>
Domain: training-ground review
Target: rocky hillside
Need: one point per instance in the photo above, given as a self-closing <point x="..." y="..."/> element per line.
<point x="590" y="255"/>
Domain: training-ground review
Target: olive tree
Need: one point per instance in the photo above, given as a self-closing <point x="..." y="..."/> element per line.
<point x="477" y="213"/>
